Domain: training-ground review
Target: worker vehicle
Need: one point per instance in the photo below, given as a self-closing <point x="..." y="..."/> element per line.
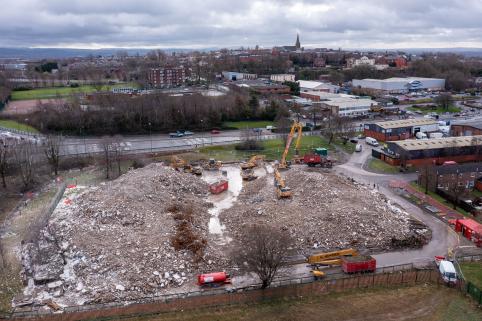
<point x="180" y="164"/>
<point x="219" y="187"/>
<point x="252" y="162"/>
<point x="282" y="191"/>
<point x="248" y="175"/>
<point x="356" y="264"/>
<point x="371" y="141"/>
<point x="447" y="271"/>
<point x="296" y="127"/>
<point x="212" y="165"/>
<point x="313" y="160"/>
<point x="213" y="279"/>
<point x="330" y="258"/>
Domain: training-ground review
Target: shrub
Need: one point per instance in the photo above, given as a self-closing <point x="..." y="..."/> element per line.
<point x="249" y="145"/>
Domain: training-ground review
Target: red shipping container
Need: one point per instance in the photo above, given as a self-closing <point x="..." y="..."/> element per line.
<point x="312" y="159"/>
<point x="210" y="278"/>
<point x="354" y="264"/>
<point x="218" y="187"/>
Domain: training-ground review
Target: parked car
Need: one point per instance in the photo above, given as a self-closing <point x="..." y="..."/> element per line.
<point x="215" y="131"/>
<point x="358" y="148"/>
<point x="176" y="134"/>
<point x="354" y="140"/>
<point x="257" y="130"/>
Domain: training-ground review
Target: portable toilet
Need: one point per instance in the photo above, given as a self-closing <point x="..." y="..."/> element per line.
<point x="321" y="151"/>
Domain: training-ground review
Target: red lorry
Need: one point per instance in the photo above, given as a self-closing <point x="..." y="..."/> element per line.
<point x="313" y="160"/>
<point x="355" y="264"/>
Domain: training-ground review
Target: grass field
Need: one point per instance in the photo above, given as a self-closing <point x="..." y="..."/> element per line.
<point x="473" y="272"/>
<point x="438" y="110"/>
<point x="248" y="124"/>
<point x="379" y="166"/>
<point x="15" y="125"/>
<point x="42" y="93"/>
<point x="423" y="302"/>
<point x="273" y="149"/>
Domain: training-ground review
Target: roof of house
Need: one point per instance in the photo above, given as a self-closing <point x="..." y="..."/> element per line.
<point x="406" y="123"/>
<point x="459" y="168"/>
<point x="437" y="143"/>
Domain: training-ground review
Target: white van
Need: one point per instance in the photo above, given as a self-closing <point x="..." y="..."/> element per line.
<point x="421" y="135"/>
<point x="447" y="271"/>
<point x="371" y="141"/>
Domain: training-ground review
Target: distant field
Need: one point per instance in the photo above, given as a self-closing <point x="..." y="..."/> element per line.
<point x="15" y="125"/>
<point x="248" y="124"/>
<point x="422" y="302"/>
<point x="42" y="93"/>
<point x="438" y="110"/>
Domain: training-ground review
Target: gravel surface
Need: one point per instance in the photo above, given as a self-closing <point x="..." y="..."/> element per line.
<point x="326" y="212"/>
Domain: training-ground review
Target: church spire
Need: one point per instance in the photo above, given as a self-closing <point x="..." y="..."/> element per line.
<point x="298" y="44"/>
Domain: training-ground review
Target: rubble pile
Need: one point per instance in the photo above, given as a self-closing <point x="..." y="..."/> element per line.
<point x="114" y="241"/>
<point x="327" y="212"/>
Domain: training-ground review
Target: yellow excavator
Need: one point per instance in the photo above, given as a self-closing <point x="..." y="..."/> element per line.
<point x="212" y="165"/>
<point x="252" y="162"/>
<point x="296" y="127"/>
<point x="180" y="164"/>
<point x="282" y="190"/>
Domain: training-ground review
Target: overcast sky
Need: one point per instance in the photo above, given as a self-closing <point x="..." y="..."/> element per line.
<point x="226" y="23"/>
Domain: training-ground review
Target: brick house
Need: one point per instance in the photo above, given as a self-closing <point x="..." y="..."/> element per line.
<point x="166" y="77"/>
<point x="446" y="177"/>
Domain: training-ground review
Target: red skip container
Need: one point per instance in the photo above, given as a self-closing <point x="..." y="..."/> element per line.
<point x="218" y="187"/>
<point x="354" y="264"/>
<point x="211" y="278"/>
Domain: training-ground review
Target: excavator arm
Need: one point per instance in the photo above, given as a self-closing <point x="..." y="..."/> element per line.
<point x="295" y="127"/>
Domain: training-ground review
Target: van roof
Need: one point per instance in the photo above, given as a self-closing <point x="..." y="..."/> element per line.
<point x="447" y="266"/>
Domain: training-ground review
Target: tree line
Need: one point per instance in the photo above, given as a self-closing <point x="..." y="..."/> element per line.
<point x="108" y="114"/>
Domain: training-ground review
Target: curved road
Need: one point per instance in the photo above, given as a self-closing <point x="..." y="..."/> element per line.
<point x="443" y="237"/>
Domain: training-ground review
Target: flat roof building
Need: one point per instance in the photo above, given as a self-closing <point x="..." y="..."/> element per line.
<point x="399" y="129"/>
<point x="400" y="85"/>
<point x="434" y="151"/>
<point x="466" y="128"/>
<point x="308" y="85"/>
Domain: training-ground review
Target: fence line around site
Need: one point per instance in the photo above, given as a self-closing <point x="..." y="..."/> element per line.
<point x="280" y="288"/>
<point x="465" y="285"/>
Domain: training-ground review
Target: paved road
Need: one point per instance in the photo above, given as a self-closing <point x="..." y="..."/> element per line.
<point x="443" y="237"/>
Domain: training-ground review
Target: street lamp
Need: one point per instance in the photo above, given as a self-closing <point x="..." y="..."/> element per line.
<point x="202" y="132"/>
<point x="150" y="136"/>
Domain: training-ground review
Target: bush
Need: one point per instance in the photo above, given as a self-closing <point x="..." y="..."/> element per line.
<point x="139" y="163"/>
<point x="249" y="145"/>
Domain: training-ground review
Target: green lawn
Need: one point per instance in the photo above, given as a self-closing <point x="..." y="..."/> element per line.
<point x="472" y="272"/>
<point x="273" y="149"/>
<point x="42" y="93"/>
<point x="248" y="124"/>
<point x="438" y="110"/>
<point x="15" y="125"/>
<point x="380" y="166"/>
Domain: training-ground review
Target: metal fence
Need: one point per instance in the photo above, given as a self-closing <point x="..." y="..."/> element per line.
<point x="18" y="131"/>
<point x="279" y="289"/>
<point x="465" y="285"/>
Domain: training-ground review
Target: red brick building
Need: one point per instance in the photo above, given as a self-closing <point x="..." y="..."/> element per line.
<point x="447" y="177"/>
<point x="399" y="129"/>
<point x="166" y="77"/>
<point x="466" y="128"/>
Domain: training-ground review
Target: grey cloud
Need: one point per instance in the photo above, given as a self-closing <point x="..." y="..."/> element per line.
<point x="206" y="23"/>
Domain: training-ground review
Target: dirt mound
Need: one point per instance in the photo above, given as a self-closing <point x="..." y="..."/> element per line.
<point x="326" y="211"/>
<point x="116" y="239"/>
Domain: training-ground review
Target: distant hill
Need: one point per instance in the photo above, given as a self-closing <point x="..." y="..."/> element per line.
<point x="46" y="53"/>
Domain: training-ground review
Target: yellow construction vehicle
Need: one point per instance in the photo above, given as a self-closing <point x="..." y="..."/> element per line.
<point x="330" y="258"/>
<point x="178" y="163"/>
<point x="296" y="127"/>
<point x="212" y="165"/>
<point x="281" y="189"/>
<point x="248" y="175"/>
<point x="252" y="162"/>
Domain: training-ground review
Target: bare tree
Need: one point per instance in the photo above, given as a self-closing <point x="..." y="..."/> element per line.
<point x="24" y="153"/>
<point x="5" y="150"/>
<point x="444" y="100"/>
<point x="262" y="250"/>
<point x="52" y="151"/>
<point x="107" y="143"/>
<point x="118" y="148"/>
<point x="427" y="175"/>
<point x="336" y="126"/>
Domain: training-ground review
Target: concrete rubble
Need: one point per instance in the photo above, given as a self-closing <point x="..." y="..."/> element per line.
<point x="113" y="241"/>
<point x="326" y="212"/>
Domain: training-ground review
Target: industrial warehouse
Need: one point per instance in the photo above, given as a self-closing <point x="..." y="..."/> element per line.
<point x="416" y="152"/>
<point x="400" y="85"/>
<point x="400" y="129"/>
